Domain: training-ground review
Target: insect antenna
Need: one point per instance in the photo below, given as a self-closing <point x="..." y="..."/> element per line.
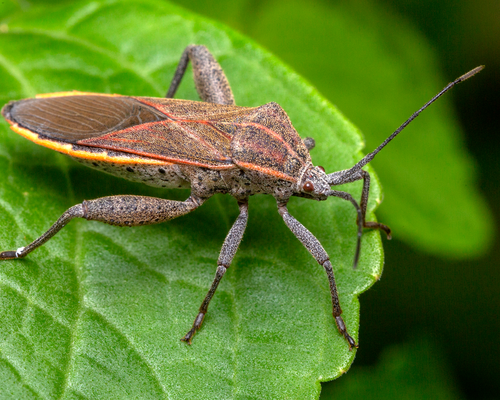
<point x="344" y="176"/>
<point x="365" y="160"/>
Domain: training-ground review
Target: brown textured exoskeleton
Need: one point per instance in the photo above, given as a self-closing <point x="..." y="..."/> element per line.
<point x="212" y="147"/>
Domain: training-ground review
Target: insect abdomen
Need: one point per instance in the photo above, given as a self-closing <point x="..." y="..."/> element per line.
<point x="165" y="176"/>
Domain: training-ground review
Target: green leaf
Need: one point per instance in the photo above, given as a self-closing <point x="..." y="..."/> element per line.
<point x="415" y="370"/>
<point x="7" y="7"/>
<point x="98" y="311"/>
<point x="378" y="69"/>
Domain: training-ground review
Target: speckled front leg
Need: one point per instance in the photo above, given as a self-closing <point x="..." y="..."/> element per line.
<point x="339" y="178"/>
<point x="231" y="243"/>
<point x="211" y="82"/>
<point x="114" y="210"/>
<point x="318" y="252"/>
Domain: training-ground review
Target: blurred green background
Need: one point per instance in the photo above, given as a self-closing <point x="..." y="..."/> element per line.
<point x="429" y="327"/>
<point x="428" y="298"/>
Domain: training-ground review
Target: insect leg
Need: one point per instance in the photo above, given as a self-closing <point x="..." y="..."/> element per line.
<point x="309" y="142"/>
<point x="318" y="252"/>
<point x="231" y="243"/>
<point x="341" y="177"/>
<point x="364" y="203"/>
<point x="211" y="82"/>
<point x="114" y="210"/>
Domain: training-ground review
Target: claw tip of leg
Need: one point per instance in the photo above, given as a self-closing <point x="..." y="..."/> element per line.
<point x="186" y="339"/>
<point x="8" y="255"/>
<point x="352" y="343"/>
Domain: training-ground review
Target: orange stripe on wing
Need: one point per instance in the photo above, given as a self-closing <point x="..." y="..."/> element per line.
<point x="73" y="93"/>
<point x="67" y="148"/>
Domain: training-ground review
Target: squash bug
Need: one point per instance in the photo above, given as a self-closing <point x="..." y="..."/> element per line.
<point x="211" y="146"/>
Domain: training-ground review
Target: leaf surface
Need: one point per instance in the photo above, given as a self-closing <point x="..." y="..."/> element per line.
<point x="98" y="311"/>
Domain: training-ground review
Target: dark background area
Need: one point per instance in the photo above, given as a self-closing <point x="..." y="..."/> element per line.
<point x="453" y="303"/>
<point x="464" y="323"/>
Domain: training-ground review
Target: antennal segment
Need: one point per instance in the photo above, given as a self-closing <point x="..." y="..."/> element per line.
<point x="365" y="160"/>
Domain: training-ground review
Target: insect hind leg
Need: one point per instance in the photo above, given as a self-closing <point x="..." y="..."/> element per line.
<point x="124" y="210"/>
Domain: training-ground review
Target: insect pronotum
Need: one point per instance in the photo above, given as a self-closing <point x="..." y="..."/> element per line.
<point x="211" y="147"/>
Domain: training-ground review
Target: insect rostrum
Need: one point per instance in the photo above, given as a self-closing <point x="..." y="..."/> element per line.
<point x="212" y="147"/>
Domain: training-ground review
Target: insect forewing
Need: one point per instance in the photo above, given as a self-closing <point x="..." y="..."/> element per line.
<point x="178" y="131"/>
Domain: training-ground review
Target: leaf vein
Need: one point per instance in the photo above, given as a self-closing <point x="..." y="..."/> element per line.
<point x="19" y="376"/>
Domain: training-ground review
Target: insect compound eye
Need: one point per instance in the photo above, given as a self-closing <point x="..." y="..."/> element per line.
<point x="308" y="187"/>
<point x="321" y="168"/>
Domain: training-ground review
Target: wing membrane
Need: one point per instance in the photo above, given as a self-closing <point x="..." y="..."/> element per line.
<point x="72" y="118"/>
<point x="182" y="142"/>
